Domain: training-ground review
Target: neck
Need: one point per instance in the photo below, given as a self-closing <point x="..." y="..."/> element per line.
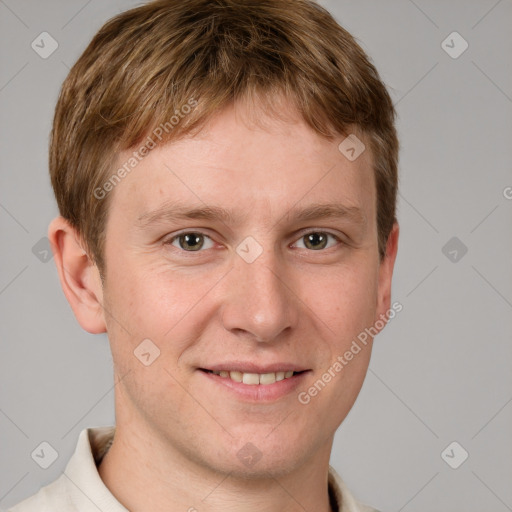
<point x="144" y="474"/>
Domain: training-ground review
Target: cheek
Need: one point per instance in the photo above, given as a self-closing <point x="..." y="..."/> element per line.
<point x="346" y="307"/>
<point x="147" y="305"/>
<point x="149" y="301"/>
<point x="156" y="304"/>
<point x="345" y="299"/>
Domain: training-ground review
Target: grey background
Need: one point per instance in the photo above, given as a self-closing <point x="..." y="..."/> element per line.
<point x="440" y="371"/>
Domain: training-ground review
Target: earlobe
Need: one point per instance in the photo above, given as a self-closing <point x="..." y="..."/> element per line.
<point x="386" y="274"/>
<point x="79" y="276"/>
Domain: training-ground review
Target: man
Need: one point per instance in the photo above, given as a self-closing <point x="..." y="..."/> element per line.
<point x="226" y="175"/>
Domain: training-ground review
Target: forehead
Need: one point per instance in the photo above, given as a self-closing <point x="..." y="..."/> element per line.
<point x="253" y="165"/>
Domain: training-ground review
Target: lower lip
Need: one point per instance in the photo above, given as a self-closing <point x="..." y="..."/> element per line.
<point x="258" y="392"/>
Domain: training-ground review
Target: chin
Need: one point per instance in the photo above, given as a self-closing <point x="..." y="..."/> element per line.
<point x="266" y="453"/>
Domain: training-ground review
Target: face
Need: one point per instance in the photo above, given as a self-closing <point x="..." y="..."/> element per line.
<point x="244" y="254"/>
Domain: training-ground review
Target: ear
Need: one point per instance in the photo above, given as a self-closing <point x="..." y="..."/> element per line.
<point x="79" y="276"/>
<point x="385" y="275"/>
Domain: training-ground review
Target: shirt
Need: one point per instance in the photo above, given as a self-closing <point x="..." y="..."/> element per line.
<point x="81" y="489"/>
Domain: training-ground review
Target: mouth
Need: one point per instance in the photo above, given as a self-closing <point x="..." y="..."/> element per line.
<point x="254" y="379"/>
<point x="255" y="384"/>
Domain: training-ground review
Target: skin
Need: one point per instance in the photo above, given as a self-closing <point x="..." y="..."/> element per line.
<point x="178" y="432"/>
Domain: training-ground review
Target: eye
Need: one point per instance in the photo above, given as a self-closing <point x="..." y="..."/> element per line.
<point x="190" y="241"/>
<point x="194" y="241"/>
<point x="317" y="240"/>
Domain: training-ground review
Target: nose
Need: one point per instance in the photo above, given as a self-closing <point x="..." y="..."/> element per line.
<point x="259" y="302"/>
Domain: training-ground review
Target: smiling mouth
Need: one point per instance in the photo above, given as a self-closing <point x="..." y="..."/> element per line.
<point x="254" y="379"/>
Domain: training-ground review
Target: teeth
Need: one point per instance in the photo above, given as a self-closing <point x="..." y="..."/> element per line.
<point x="236" y="376"/>
<point x="252" y="379"/>
<point x="267" y="378"/>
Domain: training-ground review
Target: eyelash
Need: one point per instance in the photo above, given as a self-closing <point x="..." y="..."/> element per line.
<point x="179" y="249"/>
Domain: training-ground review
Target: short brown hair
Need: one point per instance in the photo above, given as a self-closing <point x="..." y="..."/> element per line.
<point x="146" y="63"/>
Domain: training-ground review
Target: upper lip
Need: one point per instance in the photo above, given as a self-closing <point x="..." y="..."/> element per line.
<point x="251" y="367"/>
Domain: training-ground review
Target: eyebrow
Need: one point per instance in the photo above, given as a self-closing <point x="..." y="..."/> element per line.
<point x="170" y="212"/>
